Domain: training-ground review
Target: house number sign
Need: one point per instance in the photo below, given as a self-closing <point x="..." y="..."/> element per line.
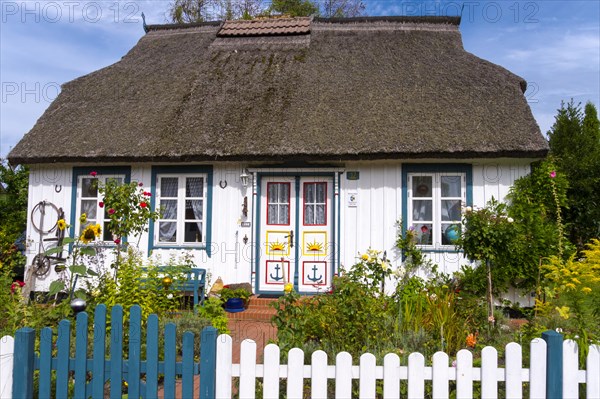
<point x="354" y="175"/>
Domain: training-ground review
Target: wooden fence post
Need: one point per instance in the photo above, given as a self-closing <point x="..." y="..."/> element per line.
<point x="208" y="362"/>
<point x="24" y="363"/>
<point x="554" y="364"/>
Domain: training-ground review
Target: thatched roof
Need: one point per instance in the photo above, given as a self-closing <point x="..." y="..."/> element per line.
<point x="370" y="88"/>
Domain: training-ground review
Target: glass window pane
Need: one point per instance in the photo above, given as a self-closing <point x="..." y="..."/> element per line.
<point x="309" y="214"/>
<point x="451" y="210"/>
<point x="167" y="231"/>
<point x="169" y="209"/>
<point x="89" y="207"/>
<point x="169" y="186"/>
<point x="309" y="193"/>
<point x="193" y="209"/>
<point x="284" y="214"/>
<point x="423" y="233"/>
<point x="422" y="210"/>
<point x="421" y="186"/>
<point x="89" y="187"/>
<point x="320" y="214"/>
<point x="272" y="193"/>
<point x="107" y="235"/>
<point x="451" y="186"/>
<point x="193" y="232"/>
<point x="272" y="215"/>
<point x="284" y="193"/>
<point x="194" y="186"/>
<point x="321" y="192"/>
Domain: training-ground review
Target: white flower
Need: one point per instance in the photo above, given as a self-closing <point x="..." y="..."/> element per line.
<point x="510" y="220"/>
<point x="384" y="265"/>
<point x="170" y="296"/>
<point x="468" y="209"/>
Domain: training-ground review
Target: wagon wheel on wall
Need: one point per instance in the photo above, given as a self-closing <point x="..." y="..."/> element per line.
<point x="42" y="215"/>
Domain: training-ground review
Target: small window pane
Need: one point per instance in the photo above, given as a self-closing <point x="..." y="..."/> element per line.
<point x="193" y="209"/>
<point x="309" y="193"/>
<point x="273" y="219"/>
<point x="320" y="214"/>
<point x="423" y="233"/>
<point x="193" y="232"/>
<point x="284" y="192"/>
<point x="194" y="186"/>
<point x="451" y="186"/>
<point x="421" y="186"/>
<point x="272" y="194"/>
<point x="89" y="207"/>
<point x="309" y="214"/>
<point x="321" y="192"/>
<point x="451" y="210"/>
<point x="167" y="232"/>
<point x="89" y="187"/>
<point x="422" y="210"/>
<point x="284" y="214"/>
<point x="107" y="235"/>
<point x="169" y="209"/>
<point x="169" y="186"/>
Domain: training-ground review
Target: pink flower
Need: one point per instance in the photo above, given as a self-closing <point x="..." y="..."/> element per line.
<point x="424" y="229"/>
<point x="101" y="204"/>
<point x="143" y="204"/>
<point x="111" y="211"/>
<point x="553" y="174"/>
<point x="93" y="173"/>
<point x="118" y="241"/>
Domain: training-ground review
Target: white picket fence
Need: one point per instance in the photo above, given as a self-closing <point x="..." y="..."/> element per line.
<point x="391" y="372"/>
<point x="7" y="346"/>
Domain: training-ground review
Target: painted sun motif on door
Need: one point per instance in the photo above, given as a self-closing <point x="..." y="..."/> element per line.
<point x="296" y="233"/>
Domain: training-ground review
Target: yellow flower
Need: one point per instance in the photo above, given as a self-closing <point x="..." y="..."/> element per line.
<point x="288" y="287"/>
<point x="365" y="257"/>
<point x="61" y="224"/>
<point x="563" y="311"/>
<point x="83" y="218"/>
<point x="90" y="233"/>
<point x="586" y="290"/>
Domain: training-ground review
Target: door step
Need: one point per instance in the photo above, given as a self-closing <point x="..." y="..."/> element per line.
<point x="259" y="309"/>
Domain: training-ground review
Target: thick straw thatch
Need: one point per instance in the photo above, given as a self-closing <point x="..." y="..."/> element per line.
<point x="367" y="88"/>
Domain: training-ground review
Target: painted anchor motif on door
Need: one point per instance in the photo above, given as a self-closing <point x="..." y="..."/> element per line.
<point x="295" y="230"/>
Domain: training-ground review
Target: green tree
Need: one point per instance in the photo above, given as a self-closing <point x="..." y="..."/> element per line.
<point x="294" y="8"/>
<point x="575" y="142"/>
<point x="13" y="212"/>
<point x="342" y="8"/>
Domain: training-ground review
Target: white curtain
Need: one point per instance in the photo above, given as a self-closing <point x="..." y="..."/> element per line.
<point x="167" y="230"/>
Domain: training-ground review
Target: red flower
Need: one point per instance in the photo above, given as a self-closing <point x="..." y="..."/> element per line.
<point x="93" y="174"/>
<point x="111" y="211"/>
<point x="118" y="241"/>
<point x="553" y="174"/>
<point x="101" y="204"/>
<point x="14" y="285"/>
<point x="143" y="204"/>
<point x="424" y="229"/>
<point x="140" y="184"/>
<point x="147" y="194"/>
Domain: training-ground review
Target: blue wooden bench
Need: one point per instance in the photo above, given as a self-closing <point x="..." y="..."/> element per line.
<point x="194" y="283"/>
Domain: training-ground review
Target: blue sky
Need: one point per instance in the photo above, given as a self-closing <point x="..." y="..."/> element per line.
<point x="553" y="45"/>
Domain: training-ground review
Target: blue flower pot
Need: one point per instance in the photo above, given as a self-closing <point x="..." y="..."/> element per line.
<point x="234" y="305"/>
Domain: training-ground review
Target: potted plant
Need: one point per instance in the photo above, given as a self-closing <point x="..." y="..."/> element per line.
<point x="232" y="297"/>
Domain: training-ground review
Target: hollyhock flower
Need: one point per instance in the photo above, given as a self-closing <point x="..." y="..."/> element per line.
<point x="147" y="194"/>
<point x="101" y="204"/>
<point x="140" y="184"/>
<point x="16" y="284"/>
<point x="143" y="204"/>
<point x="111" y="211"/>
<point x="117" y="241"/>
<point x="553" y="174"/>
<point x="424" y="229"/>
<point x="93" y="173"/>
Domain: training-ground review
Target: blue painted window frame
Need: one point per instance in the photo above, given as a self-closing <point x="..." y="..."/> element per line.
<point x="183" y="171"/>
<point x="466" y="169"/>
<point x="79" y="171"/>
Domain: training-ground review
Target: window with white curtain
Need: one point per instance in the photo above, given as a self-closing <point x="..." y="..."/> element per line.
<point x="182" y="200"/>
<point x="315" y="204"/>
<point x="90" y="203"/>
<point x="435" y="202"/>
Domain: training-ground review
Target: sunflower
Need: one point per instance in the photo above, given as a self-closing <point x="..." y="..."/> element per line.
<point x="90" y="233"/>
<point x="83" y="218"/>
<point x="62" y="224"/>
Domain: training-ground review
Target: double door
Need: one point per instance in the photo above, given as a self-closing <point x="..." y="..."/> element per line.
<point x="296" y="240"/>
